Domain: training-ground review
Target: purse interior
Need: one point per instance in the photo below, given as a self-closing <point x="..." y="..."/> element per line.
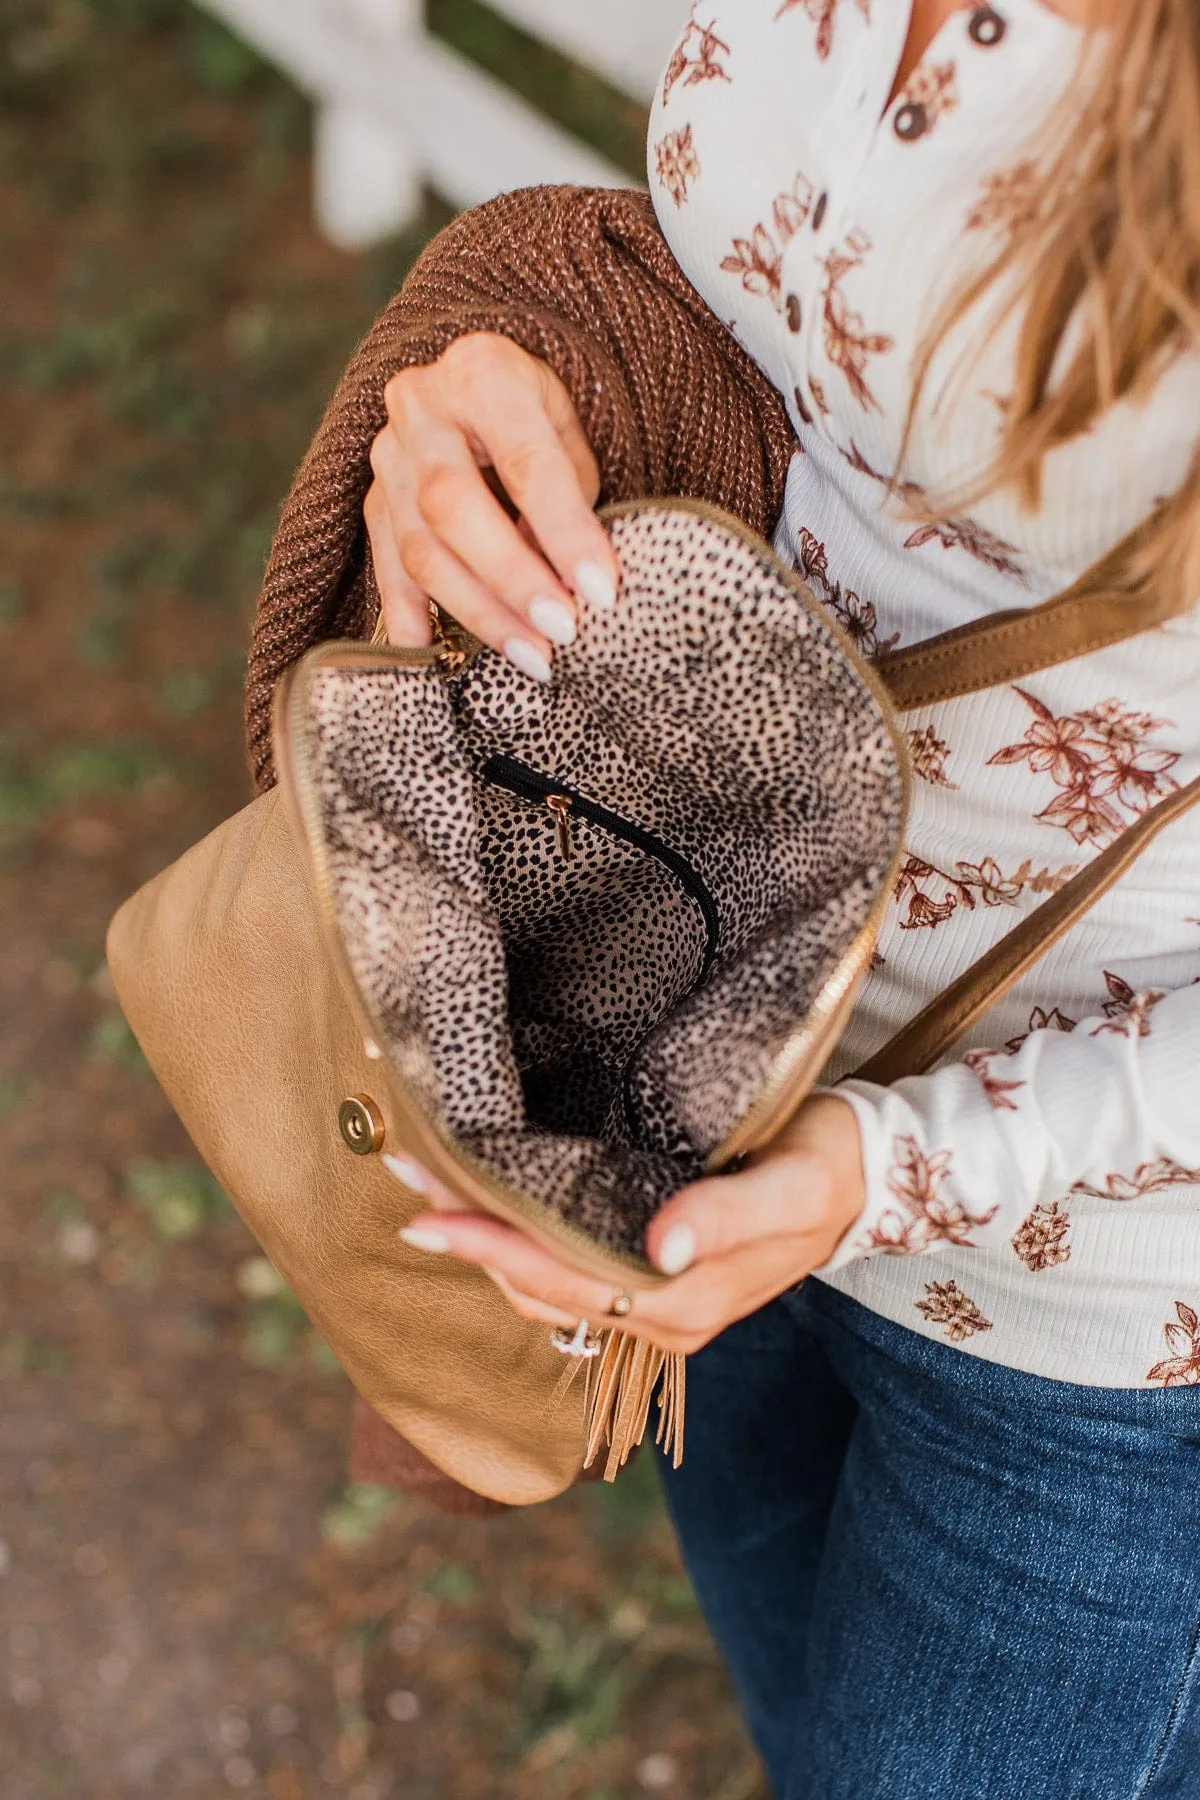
<point x="589" y="917"/>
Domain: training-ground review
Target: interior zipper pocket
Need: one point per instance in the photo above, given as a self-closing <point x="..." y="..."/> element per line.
<point x="564" y="804"/>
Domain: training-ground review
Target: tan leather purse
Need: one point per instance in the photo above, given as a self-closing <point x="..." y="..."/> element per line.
<point x="361" y="960"/>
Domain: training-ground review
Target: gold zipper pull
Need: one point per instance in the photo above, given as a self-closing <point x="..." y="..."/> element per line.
<point x="560" y="806"/>
<point x="448" y="643"/>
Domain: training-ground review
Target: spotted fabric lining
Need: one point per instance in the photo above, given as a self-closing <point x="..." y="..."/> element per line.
<point x="547" y="1011"/>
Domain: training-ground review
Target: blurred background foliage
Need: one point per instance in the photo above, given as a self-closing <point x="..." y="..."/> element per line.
<point x="193" y="1599"/>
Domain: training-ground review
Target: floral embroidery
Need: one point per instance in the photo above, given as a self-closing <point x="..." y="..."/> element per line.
<point x="1100" y="761"/>
<point x="677" y="163"/>
<point x="952" y="534"/>
<point x="848" y="344"/>
<point x="980" y="1064"/>
<point x="929" y="1217"/>
<point x="1149" y="1178"/>
<point x="1041" y="1020"/>
<point x="964" y="534"/>
<point x="791" y="208"/>
<point x="1127" y="1013"/>
<point x="933" y="895"/>
<point x="1183" y="1337"/>
<point x="1007" y="200"/>
<point x="945" y="1304"/>
<point x="928" y="753"/>
<point x="856" y="616"/>
<point x="697" y="57"/>
<point x="1041" y="1240"/>
<point x="822" y="13"/>
<point x="758" y="259"/>
<point x="812" y="558"/>
<point x="859" y="621"/>
<point x="759" y="263"/>
<point x="932" y="87"/>
<point x="818" y="394"/>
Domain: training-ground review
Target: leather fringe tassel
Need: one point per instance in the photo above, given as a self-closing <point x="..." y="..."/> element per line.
<point x="621" y="1384"/>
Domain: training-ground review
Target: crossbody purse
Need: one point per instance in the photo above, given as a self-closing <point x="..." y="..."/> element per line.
<point x="570" y="948"/>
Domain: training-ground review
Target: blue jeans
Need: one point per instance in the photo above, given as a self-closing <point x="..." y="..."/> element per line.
<point x="937" y="1579"/>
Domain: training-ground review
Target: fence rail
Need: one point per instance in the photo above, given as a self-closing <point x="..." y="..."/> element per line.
<point x="397" y="109"/>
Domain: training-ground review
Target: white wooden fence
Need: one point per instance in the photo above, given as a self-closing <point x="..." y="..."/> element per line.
<point x="397" y="108"/>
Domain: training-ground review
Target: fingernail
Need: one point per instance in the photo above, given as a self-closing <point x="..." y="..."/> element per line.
<point x="595" y="585"/>
<point x="678" y="1250"/>
<point x="407" y="1172"/>
<point x="420" y="1239"/>
<point x="553" y="620"/>
<point x="523" y="656"/>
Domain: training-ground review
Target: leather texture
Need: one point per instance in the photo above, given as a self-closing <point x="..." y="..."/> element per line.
<point x="222" y="968"/>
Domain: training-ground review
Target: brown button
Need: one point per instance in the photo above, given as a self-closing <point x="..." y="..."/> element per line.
<point x="818" y="218"/>
<point x="794" y="313"/>
<point x="985" y="27"/>
<point x="911" y="122"/>
<point x="800" y="406"/>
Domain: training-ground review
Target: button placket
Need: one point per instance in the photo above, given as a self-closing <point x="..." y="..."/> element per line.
<point x="801" y="283"/>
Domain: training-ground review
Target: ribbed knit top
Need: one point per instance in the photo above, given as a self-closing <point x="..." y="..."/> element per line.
<point x="1034" y="1200"/>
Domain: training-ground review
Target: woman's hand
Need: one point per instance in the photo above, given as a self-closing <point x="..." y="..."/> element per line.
<point x="438" y="530"/>
<point x="731" y="1243"/>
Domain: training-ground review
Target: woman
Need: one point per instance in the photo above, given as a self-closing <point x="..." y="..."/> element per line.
<point x="939" y="1503"/>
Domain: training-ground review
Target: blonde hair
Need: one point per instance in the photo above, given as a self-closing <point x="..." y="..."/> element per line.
<point x="1109" y="246"/>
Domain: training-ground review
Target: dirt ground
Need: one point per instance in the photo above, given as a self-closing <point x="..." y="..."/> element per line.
<point x="192" y="1599"/>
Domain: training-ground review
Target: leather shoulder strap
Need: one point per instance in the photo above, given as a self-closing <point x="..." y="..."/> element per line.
<point x="934" y="1030"/>
<point x="1099" y="609"/>
<point x="1009" y="645"/>
<point x="1090" y="615"/>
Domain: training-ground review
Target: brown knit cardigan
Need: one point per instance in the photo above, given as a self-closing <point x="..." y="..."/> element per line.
<point x="670" y="403"/>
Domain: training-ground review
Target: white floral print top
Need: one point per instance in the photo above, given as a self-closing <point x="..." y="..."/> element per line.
<point x="1036" y="1200"/>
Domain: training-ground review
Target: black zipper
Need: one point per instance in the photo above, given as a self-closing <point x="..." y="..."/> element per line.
<point x="518" y="778"/>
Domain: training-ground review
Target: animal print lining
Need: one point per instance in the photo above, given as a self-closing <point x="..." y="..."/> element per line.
<point x="557" y="1015"/>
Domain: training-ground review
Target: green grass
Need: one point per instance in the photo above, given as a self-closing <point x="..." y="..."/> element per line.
<point x="23" y="1353"/>
<point x="35" y="784"/>
<point x="452" y="1582"/>
<point x="112" y="1041"/>
<point x="356" y="1515"/>
<point x="178" y="1198"/>
<point x="12" y="604"/>
<point x="14" y="1091"/>
<point x="629" y="1506"/>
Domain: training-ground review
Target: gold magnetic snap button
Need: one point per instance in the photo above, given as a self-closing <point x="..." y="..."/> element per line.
<point x="361" y="1125"/>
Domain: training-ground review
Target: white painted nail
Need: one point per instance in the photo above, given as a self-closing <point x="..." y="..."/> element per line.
<point x="420" y="1239"/>
<point x="413" y="1178"/>
<point x="523" y="656"/>
<point x="372" y="1049"/>
<point x="595" y="585"/>
<point x="553" y="620"/>
<point x="678" y="1250"/>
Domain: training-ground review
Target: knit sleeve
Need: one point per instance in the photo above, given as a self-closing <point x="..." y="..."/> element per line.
<point x="966" y="1155"/>
<point x="583" y="279"/>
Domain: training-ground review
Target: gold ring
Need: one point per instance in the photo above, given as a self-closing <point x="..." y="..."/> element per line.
<point x="622" y="1305"/>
